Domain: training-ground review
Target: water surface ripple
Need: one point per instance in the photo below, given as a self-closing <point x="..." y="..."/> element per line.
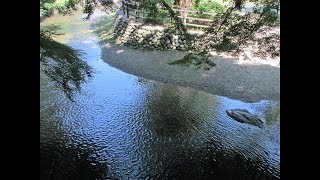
<point x="124" y="127"/>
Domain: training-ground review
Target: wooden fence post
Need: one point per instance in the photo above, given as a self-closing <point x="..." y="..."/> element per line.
<point x="137" y="10"/>
<point x="123" y="7"/>
<point x="127" y="10"/>
<point x="184" y="16"/>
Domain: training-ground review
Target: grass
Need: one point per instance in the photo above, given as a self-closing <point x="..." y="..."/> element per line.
<point x="53" y="29"/>
<point x="198" y="60"/>
<point x="104" y="28"/>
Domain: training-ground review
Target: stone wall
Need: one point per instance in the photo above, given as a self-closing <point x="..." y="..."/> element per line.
<point x="139" y="36"/>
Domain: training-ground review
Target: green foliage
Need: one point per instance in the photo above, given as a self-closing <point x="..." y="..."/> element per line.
<point x="72" y="3"/>
<point x="162" y="17"/>
<point x="64" y="5"/>
<point x="154" y="12"/>
<point x="106" y="2"/>
<point x="88" y="6"/>
<point x="270" y="45"/>
<point x="151" y="8"/>
<point x="205" y="6"/>
<point x="62" y="64"/>
<point x="109" y="6"/>
<point x="238" y="4"/>
<point x="197" y="59"/>
<point x="208" y="6"/>
<point x="270" y="12"/>
<point x="176" y="21"/>
<point x="230" y="30"/>
<point x="47" y="7"/>
<point x="104" y="27"/>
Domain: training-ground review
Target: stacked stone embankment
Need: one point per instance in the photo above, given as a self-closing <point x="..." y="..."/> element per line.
<point x="140" y="36"/>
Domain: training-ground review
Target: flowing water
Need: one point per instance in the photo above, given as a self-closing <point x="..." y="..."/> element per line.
<point x="120" y="126"/>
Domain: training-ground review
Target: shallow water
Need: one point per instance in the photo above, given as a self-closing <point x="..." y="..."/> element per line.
<point x="120" y="126"/>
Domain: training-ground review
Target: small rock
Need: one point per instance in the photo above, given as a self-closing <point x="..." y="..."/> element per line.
<point x="244" y="116"/>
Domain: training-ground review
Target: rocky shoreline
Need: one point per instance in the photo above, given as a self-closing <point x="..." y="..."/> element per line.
<point x="248" y="80"/>
<point x="139" y="36"/>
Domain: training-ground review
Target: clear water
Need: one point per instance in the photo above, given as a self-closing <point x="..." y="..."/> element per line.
<point x="120" y="126"/>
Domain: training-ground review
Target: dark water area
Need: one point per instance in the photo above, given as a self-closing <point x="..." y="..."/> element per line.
<point x="120" y="126"/>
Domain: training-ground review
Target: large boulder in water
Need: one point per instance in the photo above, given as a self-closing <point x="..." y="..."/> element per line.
<point x="244" y="116"/>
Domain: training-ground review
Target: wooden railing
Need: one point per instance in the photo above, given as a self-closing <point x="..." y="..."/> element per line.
<point x="134" y="10"/>
<point x="184" y="17"/>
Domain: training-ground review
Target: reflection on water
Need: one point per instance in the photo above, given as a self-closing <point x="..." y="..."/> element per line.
<point x="124" y="127"/>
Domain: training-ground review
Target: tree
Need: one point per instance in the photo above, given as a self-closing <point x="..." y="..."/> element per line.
<point x="62" y="64"/>
<point x="230" y="30"/>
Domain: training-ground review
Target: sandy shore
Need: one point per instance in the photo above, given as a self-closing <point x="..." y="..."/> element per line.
<point x="249" y="81"/>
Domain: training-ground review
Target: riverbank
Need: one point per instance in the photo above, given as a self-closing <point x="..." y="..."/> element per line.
<point x="247" y="80"/>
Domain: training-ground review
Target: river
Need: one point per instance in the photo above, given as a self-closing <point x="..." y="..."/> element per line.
<point x="120" y="126"/>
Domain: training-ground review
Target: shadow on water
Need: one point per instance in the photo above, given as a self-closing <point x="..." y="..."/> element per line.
<point x="62" y="161"/>
<point x="251" y="82"/>
<point x="124" y="127"/>
<point x="188" y="137"/>
<point x="54" y="29"/>
<point x="174" y="111"/>
<point x="62" y="64"/>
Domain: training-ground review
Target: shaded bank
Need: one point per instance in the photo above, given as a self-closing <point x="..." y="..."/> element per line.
<point x="248" y="81"/>
<point x="121" y="126"/>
